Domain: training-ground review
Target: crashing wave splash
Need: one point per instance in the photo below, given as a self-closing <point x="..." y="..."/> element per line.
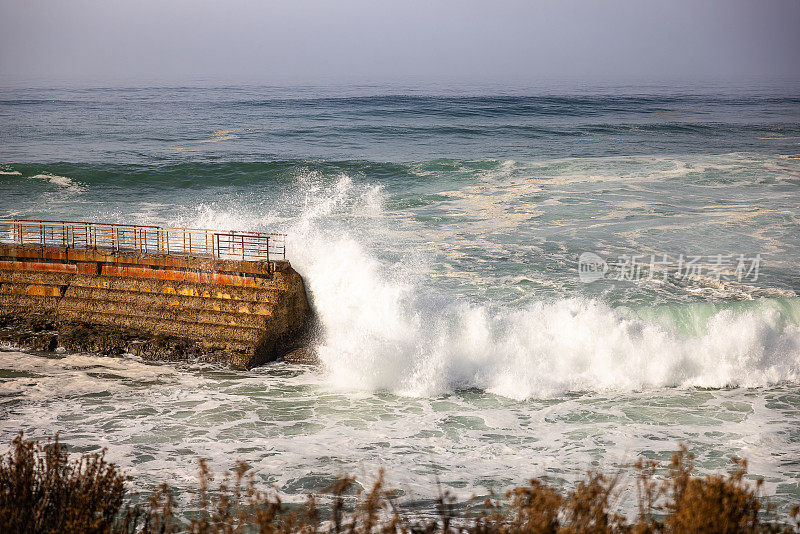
<point x="381" y="332"/>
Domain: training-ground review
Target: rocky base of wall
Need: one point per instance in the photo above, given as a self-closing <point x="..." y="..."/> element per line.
<point x="45" y="334"/>
<point x="37" y="333"/>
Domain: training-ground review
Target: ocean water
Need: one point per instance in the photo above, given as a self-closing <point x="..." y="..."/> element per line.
<point x="439" y="233"/>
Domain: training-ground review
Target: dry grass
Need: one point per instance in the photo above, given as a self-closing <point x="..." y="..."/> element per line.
<point x="41" y="490"/>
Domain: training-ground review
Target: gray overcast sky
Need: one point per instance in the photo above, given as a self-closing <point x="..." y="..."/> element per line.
<point x="344" y="41"/>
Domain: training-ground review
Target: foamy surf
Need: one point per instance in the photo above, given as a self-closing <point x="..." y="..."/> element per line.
<point x="61" y="181"/>
<point x="382" y="330"/>
<point x="156" y="420"/>
<point x="379" y="335"/>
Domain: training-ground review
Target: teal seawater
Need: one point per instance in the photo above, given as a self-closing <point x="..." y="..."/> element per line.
<point x="439" y="232"/>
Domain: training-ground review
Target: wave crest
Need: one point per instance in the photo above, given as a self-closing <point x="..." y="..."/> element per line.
<point x="382" y="331"/>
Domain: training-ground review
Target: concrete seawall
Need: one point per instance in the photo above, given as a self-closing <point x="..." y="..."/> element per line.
<point x="158" y="306"/>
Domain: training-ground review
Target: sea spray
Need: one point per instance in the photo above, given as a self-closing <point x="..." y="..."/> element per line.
<point x="382" y="330"/>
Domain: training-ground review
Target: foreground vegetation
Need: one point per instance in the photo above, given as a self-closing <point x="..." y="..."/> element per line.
<point x="42" y="490"/>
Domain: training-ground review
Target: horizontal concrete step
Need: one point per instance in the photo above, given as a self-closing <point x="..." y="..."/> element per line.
<point x="146" y="273"/>
<point x="27" y="302"/>
<point x="183" y="289"/>
<point x="32" y="289"/>
<point x="188" y="303"/>
<point x="38" y="266"/>
<point x="158" y="312"/>
<point x="35" y="277"/>
<point x="219" y="306"/>
<point x="217" y="336"/>
<point x="177" y="275"/>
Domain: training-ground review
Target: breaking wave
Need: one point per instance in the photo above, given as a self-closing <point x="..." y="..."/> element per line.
<point x="61" y="181"/>
<point x="382" y="330"/>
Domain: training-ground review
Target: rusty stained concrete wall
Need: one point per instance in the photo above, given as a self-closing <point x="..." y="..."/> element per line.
<point x="162" y="307"/>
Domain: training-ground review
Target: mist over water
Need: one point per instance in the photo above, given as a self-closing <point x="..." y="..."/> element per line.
<point x="438" y="237"/>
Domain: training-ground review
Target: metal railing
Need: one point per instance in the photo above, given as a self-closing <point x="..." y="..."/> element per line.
<point x="257" y="246"/>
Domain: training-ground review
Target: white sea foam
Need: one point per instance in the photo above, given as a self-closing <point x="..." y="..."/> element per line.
<point x="296" y="432"/>
<point x="10" y="173"/>
<point x="390" y="341"/>
<point x="380" y="331"/>
<point x="54" y="179"/>
<point x="220" y="135"/>
<point x="382" y="328"/>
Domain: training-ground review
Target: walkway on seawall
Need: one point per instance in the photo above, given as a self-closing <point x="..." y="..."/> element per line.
<point x="157" y="292"/>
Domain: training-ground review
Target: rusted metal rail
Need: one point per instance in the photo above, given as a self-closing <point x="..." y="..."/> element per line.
<point x="234" y="245"/>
